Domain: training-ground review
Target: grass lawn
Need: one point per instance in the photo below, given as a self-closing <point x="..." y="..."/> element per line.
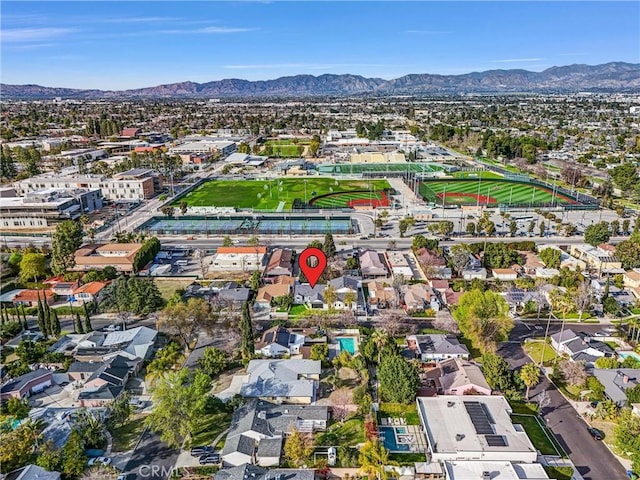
<point x="399" y="410"/>
<point x="534" y="350"/>
<point x="608" y="428"/>
<point x="407" y="458"/>
<point x="473" y="351"/>
<point x="485" y="174"/>
<point x="559" y="473"/>
<point x="347" y="434"/>
<point x="523" y="408"/>
<point x="126" y="436"/>
<point x="297" y="310"/>
<point x="267" y="194"/>
<point x="168" y="287"/>
<point x="490" y="192"/>
<point x="541" y="437"/>
<point x="212" y="425"/>
<point x="574" y="316"/>
<point x="425" y="331"/>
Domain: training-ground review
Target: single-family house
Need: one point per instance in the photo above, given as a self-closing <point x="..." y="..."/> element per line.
<point x="89" y="292"/>
<point x="460" y="377"/>
<point x="278" y="341"/>
<point x="245" y="259"/>
<point x="419" y="296"/>
<point x="546" y="273"/>
<point x="64" y="289"/>
<point x="100" y="396"/>
<point x="312" y="297"/>
<point x="504" y="274"/>
<point x="616" y="382"/>
<point x="580" y="346"/>
<point x="372" y="265"/>
<point x="232" y="295"/>
<point x="26" y="385"/>
<point x="282" y="381"/>
<point x="280" y="263"/>
<point x="433" y="264"/>
<point x="134" y="343"/>
<point x="258" y="430"/>
<point x="479" y="273"/>
<point x="436" y="347"/>
<point x="29" y="297"/>
<point x="381" y="295"/>
<point x="269" y="292"/>
<point x="531" y="262"/>
<point x="597" y="258"/>
<point x="32" y="472"/>
<point x="399" y="264"/>
<point x="346" y="289"/>
<point x="632" y="281"/>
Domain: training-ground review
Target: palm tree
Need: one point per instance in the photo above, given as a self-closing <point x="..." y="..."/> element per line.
<point x="92" y="428"/>
<point x="530" y="376"/>
<point x="379" y="338"/>
<point x="373" y="460"/>
<point x="34" y="430"/>
<point x="564" y="302"/>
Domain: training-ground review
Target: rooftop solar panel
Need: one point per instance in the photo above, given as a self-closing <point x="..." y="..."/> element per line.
<point x="479" y="417"/>
<point x="496" y="440"/>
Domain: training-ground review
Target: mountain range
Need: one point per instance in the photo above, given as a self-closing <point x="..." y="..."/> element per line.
<point x="608" y="77"/>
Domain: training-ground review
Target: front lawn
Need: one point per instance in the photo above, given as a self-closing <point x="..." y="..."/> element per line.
<point x="211" y="425"/>
<point x="126" y="436"/>
<point x="297" y="310"/>
<point x="559" y="473"/>
<point x="347" y="434"/>
<point x="534" y="350"/>
<point x="524" y="408"/>
<point x="399" y="410"/>
<point x="541" y="437"/>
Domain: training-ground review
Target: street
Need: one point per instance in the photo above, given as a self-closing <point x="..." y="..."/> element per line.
<point x="152" y="458"/>
<point x="592" y="458"/>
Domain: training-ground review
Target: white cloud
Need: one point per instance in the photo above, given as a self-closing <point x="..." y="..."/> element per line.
<point x="519" y="60"/>
<point x="18" y="35"/>
<point x="207" y="31"/>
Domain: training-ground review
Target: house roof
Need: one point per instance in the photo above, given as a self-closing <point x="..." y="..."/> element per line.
<point x="614" y="383"/>
<point x="280" y="378"/>
<point x="247" y="471"/>
<point x="457" y="373"/>
<point x="32" y="295"/>
<point x="119" y="247"/>
<point x="345" y="281"/>
<point x="271" y="291"/>
<point x="430" y="258"/>
<point x="277" y="334"/>
<point x="503" y="271"/>
<point x="441" y="344"/>
<point x="19" y="382"/>
<point x="280" y="259"/>
<point x="79" y="367"/>
<point x="105" y="392"/>
<point x="565" y="336"/>
<point x="92" y="288"/>
<point x="315" y="294"/>
<point x="32" y="472"/>
<point x="242" y="250"/>
<point x="370" y="263"/>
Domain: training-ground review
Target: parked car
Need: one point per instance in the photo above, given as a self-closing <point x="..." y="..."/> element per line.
<point x="209" y="459"/>
<point x="200" y="451"/>
<point x="126" y="476"/>
<point x="594" y="404"/>
<point x="112" y="328"/>
<point x="99" y="461"/>
<point x="595" y="433"/>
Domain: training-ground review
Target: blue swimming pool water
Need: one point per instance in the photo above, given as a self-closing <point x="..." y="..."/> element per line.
<point x="388" y="437"/>
<point x="348" y="344"/>
<point x="624" y="355"/>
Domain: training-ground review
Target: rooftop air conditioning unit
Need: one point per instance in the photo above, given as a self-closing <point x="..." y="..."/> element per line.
<point x="459" y="436"/>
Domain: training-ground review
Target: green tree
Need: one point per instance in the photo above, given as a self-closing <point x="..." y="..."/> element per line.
<point x="87" y="319"/>
<point x="18" y="408"/>
<point x="329" y="246"/>
<point x="319" y="351"/>
<point x="597" y="233"/>
<point x="498" y="373"/>
<point x="255" y="281"/>
<point x="16" y="449"/>
<point x="626" y="177"/>
<point x="551" y="257"/>
<point x="628" y="252"/>
<point x="184" y="320"/>
<point x="55" y="324"/>
<point x="298" y="448"/>
<point x="471" y="228"/>
<point x="227" y="241"/>
<point x="627" y="436"/>
<point x="530" y="376"/>
<point x="513" y="228"/>
<point x="213" y="361"/>
<point x="542" y="228"/>
<point x="50" y="457"/>
<point x="119" y="410"/>
<point x="246" y="331"/>
<point x="73" y="457"/>
<point x="607" y="362"/>
<point x="66" y="239"/>
<point x="32" y="267"/>
<point x="77" y="323"/>
<point x="132" y="294"/>
<point x="399" y="379"/>
<point x="483" y="318"/>
<point x="184" y="206"/>
<point x="179" y="405"/>
<point x="373" y="459"/>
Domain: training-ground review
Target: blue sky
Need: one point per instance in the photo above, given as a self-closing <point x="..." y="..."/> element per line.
<point x="118" y="45"/>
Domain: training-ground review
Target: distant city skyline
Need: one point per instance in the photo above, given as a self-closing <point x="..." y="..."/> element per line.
<point x="122" y="45"/>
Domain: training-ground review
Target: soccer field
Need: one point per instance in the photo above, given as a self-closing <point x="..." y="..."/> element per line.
<point x="490" y="192"/>
<point x="271" y="194"/>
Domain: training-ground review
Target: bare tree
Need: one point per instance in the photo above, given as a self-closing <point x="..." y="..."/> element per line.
<point x="392" y="322"/>
<point x="544" y="400"/>
<point x="459" y="255"/>
<point x="341" y="399"/>
<point x="573" y="373"/>
<point x="582" y="298"/>
<point x="444" y="321"/>
<point x="202" y="261"/>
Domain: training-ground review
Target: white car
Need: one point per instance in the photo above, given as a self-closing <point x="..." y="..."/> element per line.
<point x="112" y="328"/>
<point x="99" y="461"/>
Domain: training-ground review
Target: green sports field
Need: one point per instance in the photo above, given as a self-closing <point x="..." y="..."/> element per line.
<point x="273" y="194"/>
<point x="490" y="192"/>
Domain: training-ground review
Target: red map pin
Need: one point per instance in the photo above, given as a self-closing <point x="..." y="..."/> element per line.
<point x="312" y="262"/>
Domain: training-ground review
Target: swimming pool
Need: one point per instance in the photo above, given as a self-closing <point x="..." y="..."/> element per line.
<point x="624" y="355"/>
<point x="348" y="344"/>
<point x="388" y="437"/>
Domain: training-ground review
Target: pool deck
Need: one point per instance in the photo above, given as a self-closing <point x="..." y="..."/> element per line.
<point x="416" y="440"/>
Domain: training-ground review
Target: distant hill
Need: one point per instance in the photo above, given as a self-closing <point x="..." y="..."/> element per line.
<point x="608" y="77"/>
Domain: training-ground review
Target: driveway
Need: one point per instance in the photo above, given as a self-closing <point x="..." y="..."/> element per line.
<point x="592" y="458"/>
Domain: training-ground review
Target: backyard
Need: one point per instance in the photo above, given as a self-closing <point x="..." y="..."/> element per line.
<point x="349" y="433"/>
<point x="399" y="410"/>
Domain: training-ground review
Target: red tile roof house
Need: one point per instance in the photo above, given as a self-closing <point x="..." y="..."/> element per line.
<point x="89" y="292"/>
<point x="131" y="132"/>
<point x="29" y="298"/>
<point x="26" y="385"/>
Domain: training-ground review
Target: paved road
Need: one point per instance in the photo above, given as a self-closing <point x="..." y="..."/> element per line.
<point x="593" y="459"/>
<point x="152" y="459"/>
